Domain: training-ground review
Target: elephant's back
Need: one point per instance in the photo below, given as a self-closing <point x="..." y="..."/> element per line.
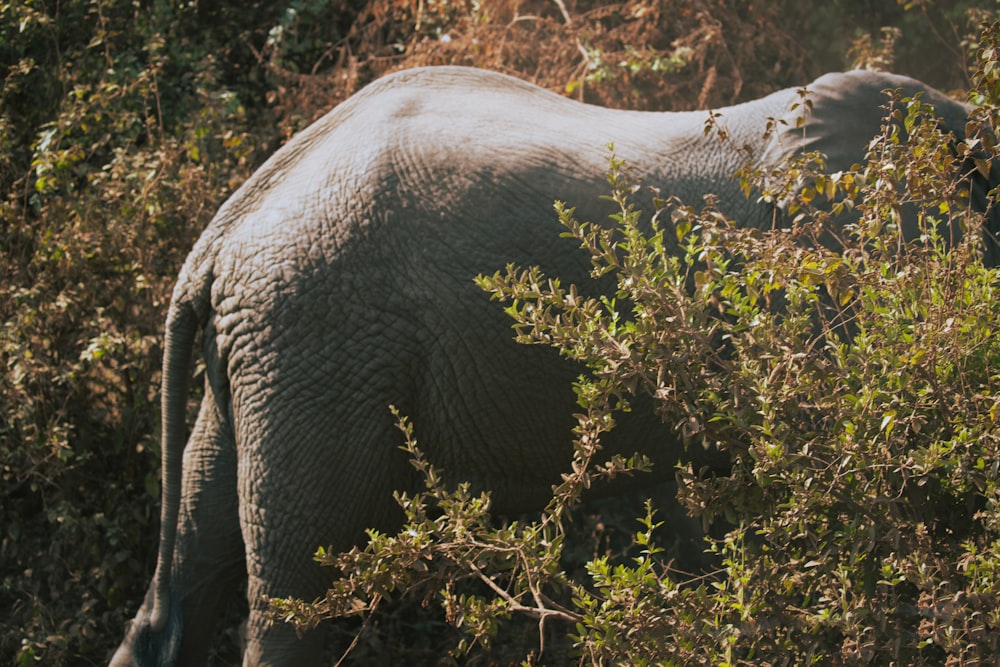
<point x="446" y="172"/>
<point x="433" y="151"/>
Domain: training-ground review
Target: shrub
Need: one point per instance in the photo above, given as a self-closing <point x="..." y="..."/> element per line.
<point x="855" y="389"/>
<point x="118" y="145"/>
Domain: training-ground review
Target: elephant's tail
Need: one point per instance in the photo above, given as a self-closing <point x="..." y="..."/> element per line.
<point x="182" y="325"/>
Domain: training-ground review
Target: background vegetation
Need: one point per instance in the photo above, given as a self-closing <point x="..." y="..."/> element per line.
<point x="125" y="123"/>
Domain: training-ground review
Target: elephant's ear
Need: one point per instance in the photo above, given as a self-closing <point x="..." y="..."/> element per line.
<point x="840" y="114"/>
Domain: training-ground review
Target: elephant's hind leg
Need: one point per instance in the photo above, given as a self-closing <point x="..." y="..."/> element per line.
<point x="301" y="488"/>
<point x="277" y="644"/>
<point x="209" y="563"/>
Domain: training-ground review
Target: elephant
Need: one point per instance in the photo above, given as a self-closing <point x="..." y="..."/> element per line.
<point x="339" y="280"/>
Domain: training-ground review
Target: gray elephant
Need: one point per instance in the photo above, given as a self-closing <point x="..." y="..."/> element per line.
<point x="338" y="281"/>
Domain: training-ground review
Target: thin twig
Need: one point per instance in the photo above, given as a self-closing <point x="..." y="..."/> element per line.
<point x="357" y="636"/>
<point x="562" y="8"/>
<point x="515" y="606"/>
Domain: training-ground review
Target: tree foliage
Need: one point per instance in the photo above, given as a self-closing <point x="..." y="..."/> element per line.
<point x="125" y="123"/>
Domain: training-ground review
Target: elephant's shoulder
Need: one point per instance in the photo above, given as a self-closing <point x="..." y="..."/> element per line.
<point x="864" y="87"/>
<point x="859" y="91"/>
<point x="839" y="113"/>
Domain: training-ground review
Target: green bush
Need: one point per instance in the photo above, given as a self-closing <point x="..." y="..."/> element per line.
<point x="855" y="389"/>
<point x="117" y="146"/>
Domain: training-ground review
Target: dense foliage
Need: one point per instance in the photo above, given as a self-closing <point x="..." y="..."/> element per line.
<point x="125" y="123"/>
<point x="855" y="387"/>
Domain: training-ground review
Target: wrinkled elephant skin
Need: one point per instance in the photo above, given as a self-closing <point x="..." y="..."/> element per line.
<point x="338" y="281"/>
